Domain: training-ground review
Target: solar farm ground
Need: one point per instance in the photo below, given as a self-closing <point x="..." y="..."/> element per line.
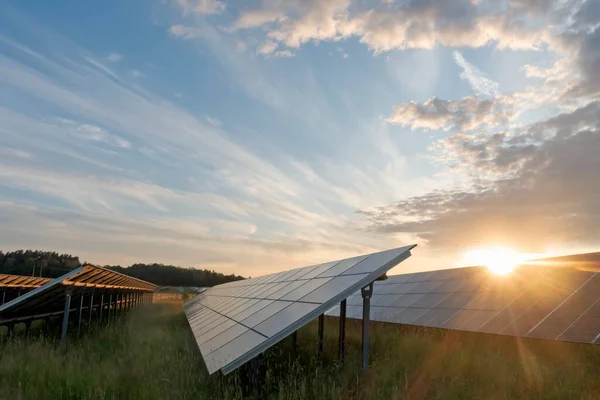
<point x="151" y="354"/>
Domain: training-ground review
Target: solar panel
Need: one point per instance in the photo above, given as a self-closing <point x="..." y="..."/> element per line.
<point x="234" y="322"/>
<point x="536" y="301"/>
<point x="14" y="286"/>
<point x="18" y="281"/>
<point x="49" y="297"/>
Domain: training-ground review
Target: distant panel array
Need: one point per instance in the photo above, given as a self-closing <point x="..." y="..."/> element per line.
<point x="534" y="301"/>
<point x="44" y="296"/>
<point x="236" y="321"/>
<point x="13" y="286"/>
<point x="18" y="281"/>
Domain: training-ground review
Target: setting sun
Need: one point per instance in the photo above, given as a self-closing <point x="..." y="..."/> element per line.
<point x="500" y="261"/>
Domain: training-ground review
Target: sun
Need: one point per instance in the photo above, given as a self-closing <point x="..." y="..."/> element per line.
<point x="498" y="260"/>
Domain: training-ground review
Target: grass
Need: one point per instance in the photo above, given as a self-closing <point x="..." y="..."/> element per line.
<point x="151" y="354"/>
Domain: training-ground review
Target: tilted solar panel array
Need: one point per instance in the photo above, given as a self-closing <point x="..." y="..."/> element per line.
<point x="49" y="297"/>
<point x="19" y="281"/>
<point x="234" y="322"/>
<point x="534" y="301"/>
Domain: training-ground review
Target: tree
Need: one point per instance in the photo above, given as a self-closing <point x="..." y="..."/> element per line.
<point x="52" y="265"/>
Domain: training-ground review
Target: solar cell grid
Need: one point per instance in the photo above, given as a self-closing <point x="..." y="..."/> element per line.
<point x="534" y="301"/>
<point x="341" y="267"/>
<point x="275" y="305"/>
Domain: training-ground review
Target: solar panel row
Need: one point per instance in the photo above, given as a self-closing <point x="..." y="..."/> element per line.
<point x="18" y="281"/>
<point x="13" y="286"/>
<point x="234" y="322"/>
<point x="533" y="301"/>
<point x="95" y="288"/>
<point x="49" y="298"/>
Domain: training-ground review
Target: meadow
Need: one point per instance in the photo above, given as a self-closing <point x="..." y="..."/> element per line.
<point x="151" y="354"/>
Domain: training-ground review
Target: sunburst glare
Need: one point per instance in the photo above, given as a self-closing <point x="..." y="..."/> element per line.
<point x="499" y="260"/>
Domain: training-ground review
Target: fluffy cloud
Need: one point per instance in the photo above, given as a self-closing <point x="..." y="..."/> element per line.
<point x="589" y="65"/>
<point x="415" y="24"/>
<point x="465" y="114"/>
<point x="532" y="190"/>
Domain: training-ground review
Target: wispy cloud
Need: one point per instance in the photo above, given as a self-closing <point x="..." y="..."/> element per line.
<point x="97" y="116"/>
<point x="480" y="83"/>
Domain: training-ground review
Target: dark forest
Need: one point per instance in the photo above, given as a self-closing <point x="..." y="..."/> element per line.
<point x="50" y="264"/>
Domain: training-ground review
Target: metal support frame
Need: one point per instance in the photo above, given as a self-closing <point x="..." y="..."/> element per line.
<point x="11" y="330"/>
<point x="3" y="297"/>
<point x="294" y="342"/>
<point x="80" y="315"/>
<point x="256" y="372"/>
<point x="27" y="328"/>
<point x="366" y="293"/>
<point x="320" y="333"/>
<point x="101" y="307"/>
<point x="342" y="337"/>
<point x="90" y="310"/>
<point x="65" y="322"/>
<point x="109" y="307"/>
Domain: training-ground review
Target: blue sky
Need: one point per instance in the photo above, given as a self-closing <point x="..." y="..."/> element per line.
<point x="253" y="137"/>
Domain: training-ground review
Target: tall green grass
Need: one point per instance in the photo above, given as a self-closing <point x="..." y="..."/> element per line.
<point x="151" y="354"/>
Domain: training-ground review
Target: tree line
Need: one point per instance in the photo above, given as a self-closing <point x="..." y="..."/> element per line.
<point x="51" y="264"/>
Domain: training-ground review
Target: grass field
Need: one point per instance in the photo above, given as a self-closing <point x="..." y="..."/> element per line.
<point x="151" y="354"/>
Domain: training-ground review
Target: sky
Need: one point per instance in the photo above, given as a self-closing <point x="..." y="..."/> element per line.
<point x="253" y="137"/>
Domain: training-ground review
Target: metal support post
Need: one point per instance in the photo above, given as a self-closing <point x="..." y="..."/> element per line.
<point x="109" y="307"/>
<point x="46" y="327"/>
<point x="321" y="329"/>
<point x="256" y="372"/>
<point x="11" y="330"/>
<point x="101" y="307"/>
<point x="3" y="297"/>
<point x="342" y="338"/>
<point x="294" y="342"/>
<point x="366" y="292"/>
<point x="90" y="310"/>
<point x="80" y="315"/>
<point x="27" y="328"/>
<point x="65" y="323"/>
